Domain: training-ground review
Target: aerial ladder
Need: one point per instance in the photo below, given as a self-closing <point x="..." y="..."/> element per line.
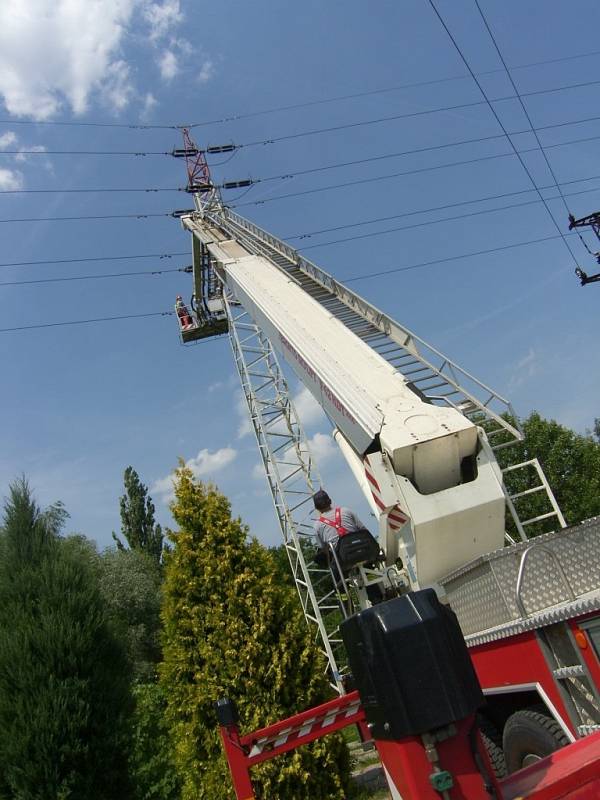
<point x="421" y="436"/>
<point x="417" y="431"/>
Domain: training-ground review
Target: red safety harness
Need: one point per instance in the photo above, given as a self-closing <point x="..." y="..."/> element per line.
<point x="337" y="524"/>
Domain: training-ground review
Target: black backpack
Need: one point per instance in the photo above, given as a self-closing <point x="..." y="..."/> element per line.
<point x="357" y="547"/>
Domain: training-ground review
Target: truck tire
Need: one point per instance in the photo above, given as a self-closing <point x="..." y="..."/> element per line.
<point x="530" y="736"/>
<point x="492" y="742"/>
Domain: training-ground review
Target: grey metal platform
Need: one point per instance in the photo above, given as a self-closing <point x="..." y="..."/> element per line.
<point x="522" y="586"/>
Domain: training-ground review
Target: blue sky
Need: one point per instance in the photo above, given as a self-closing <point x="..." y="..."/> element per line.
<point x="80" y="403"/>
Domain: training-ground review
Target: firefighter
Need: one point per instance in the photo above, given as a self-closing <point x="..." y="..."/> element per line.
<point x="330" y="527"/>
<point x="333" y="523"/>
<point x="182" y="312"/>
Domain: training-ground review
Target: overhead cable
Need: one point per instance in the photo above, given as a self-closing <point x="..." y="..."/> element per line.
<point x="427" y="223"/>
<point x="309" y="171"/>
<point x="445" y="207"/>
<point x="92" y="258"/>
<point x="418" y="150"/>
<point x="95" y="277"/>
<point x="501" y="124"/>
<point x="91" y="216"/>
<point x="305" y="104"/>
<point x="377" y="178"/>
<point x="524" y="109"/>
<point x="371" y="92"/>
<point x="409" y="115"/>
<point x="351" y="279"/>
<point x="389" y="176"/>
<point x="423" y="264"/>
<point x="86" y="321"/>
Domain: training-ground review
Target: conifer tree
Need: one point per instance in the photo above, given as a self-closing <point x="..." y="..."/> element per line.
<point x="63" y="675"/>
<point x="137" y="518"/>
<point x="232" y="629"/>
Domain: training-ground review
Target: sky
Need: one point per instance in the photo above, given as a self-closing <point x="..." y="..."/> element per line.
<point x="82" y="402"/>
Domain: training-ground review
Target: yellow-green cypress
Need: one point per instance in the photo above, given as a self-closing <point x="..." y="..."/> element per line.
<point x="231" y="628"/>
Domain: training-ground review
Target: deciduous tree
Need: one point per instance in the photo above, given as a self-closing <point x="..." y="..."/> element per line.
<point x="571" y="462"/>
<point x="130" y="581"/>
<point x="137" y="518"/>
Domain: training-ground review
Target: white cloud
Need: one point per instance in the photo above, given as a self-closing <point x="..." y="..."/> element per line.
<point x="258" y="472"/>
<point x="10" y="179"/>
<point x="245" y="426"/>
<point x="322" y="447"/>
<point x="207" y="70"/>
<point x="149" y="104"/>
<point x="54" y="52"/>
<point x="117" y="89"/>
<point x="168" y="65"/>
<point x="205" y="464"/>
<point x="307" y="407"/>
<point x="7" y="140"/>
<point x="162" y="17"/>
<point x="36" y="148"/>
<point x="525" y="369"/>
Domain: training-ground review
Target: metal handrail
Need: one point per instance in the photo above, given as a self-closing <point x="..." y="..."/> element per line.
<point x="524" y="557"/>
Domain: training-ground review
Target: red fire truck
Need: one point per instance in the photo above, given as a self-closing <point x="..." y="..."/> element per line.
<point x="421" y="437"/>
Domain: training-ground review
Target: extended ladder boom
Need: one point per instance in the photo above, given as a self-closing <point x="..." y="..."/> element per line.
<point x="432" y="466"/>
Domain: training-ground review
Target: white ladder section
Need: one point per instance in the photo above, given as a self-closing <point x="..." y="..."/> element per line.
<point x="432" y="374"/>
<point x="292" y="477"/>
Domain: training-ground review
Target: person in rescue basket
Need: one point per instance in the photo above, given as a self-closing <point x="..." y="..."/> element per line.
<point x="332" y="525"/>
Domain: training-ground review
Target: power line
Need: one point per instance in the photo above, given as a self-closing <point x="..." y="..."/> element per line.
<point x="86" y="321"/>
<point x="93" y="258"/>
<point x="369" y="93"/>
<point x="435" y="221"/>
<point x="411" y="114"/>
<point x="406" y="268"/>
<point x="234" y="117"/>
<point x="311" y="170"/>
<point x="324" y="168"/>
<point x="286" y="196"/>
<point x="95" y="277"/>
<point x="114" y="190"/>
<point x="375" y="179"/>
<point x="418" y="150"/>
<point x="39" y="152"/>
<point x="311" y="191"/>
<point x="72" y="124"/>
<point x="444" y="207"/>
<point x="524" y="109"/>
<point x="93" y="216"/>
<point x="501" y="124"/>
<point x="424" y="264"/>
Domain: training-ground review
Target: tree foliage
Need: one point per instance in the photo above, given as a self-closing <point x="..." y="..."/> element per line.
<point x="137" y="518"/>
<point x="571" y="463"/>
<point x="63" y="674"/>
<point x="153" y="772"/>
<point x="130" y="581"/>
<point x="232" y="629"/>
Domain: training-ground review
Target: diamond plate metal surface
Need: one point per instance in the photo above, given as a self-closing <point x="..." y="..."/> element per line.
<point x="483" y="593"/>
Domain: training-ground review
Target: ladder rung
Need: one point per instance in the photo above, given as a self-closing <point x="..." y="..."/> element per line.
<point x="526" y="492"/>
<point x="568" y="672"/>
<point x="540" y="518"/>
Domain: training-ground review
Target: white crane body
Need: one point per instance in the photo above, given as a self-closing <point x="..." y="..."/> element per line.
<point x="437" y="476"/>
<point x="419" y="434"/>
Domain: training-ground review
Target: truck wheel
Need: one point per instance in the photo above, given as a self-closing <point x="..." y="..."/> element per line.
<point x="528" y="737"/>
<point x="492" y="742"/>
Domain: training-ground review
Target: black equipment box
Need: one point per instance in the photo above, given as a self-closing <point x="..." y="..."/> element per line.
<point x="411" y="666"/>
